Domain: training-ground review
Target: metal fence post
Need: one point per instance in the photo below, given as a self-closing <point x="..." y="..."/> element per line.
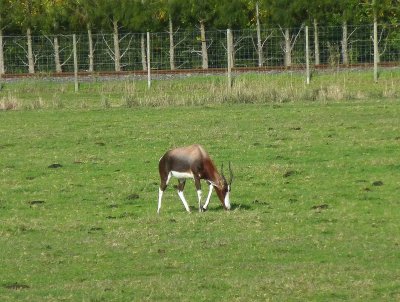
<point x="75" y="63"/>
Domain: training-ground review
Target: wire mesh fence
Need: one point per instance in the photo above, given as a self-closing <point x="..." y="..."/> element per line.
<point x="189" y="51"/>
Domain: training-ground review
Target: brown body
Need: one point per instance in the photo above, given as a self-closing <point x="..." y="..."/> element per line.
<point x="192" y="162"/>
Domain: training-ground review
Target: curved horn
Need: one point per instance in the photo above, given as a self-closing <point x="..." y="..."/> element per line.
<point x="230" y="174"/>
<point x="222" y="170"/>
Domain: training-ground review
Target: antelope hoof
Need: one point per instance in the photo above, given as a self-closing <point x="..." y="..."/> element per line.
<point x="203" y="209"/>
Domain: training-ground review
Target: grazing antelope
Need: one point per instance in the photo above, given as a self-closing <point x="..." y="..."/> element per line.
<point x="193" y="162"/>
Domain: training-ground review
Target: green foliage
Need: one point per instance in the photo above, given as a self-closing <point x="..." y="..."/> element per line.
<point x="143" y="16"/>
<point x="232" y="14"/>
<point x="5" y="19"/>
<point x="284" y="13"/>
<point x="386" y="10"/>
<point x="82" y="14"/>
<point x="27" y="14"/>
<point x="110" y="11"/>
<point x="194" y="11"/>
<point x="152" y="15"/>
<point x="315" y="204"/>
<point x="55" y="16"/>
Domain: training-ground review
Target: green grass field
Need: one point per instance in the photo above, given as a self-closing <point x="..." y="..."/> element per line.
<point x="315" y="204"/>
<point x="200" y="90"/>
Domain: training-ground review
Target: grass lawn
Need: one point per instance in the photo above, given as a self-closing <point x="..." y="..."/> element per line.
<point x="315" y="204"/>
<point x="200" y="90"/>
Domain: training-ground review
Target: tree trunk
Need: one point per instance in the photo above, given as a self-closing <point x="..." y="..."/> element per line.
<point x="31" y="61"/>
<point x="171" y="45"/>
<point x="316" y="43"/>
<point x="229" y="55"/>
<point x="143" y="51"/>
<point x="76" y="84"/>
<point x="345" y="53"/>
<point x="288" y="49"/>
<point x="376" y="49"/>
<point x="57" y="55"/>
<point x="117" y="53"/>
<point x="204" y="54"/>
<point x="307" y="56"/>
<point x="2" y="69"/>
<point x="232" y="49"/>
<point x="91" y="51"/>
<point x="259" y="46"/>
<point x="148" y="60"/>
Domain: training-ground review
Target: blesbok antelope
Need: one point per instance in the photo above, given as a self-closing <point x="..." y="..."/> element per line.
<point x="193" y="162"/>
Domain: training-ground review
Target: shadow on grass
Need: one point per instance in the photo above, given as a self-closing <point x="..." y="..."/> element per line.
<point x="253" y="205"/>
<point x="238" y="206"/>
<point x="234" y="207"/>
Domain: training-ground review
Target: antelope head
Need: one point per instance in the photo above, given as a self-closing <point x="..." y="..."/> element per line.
<point x="224" y="188"/>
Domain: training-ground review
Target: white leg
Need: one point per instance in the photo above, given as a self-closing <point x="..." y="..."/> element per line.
<point x="180" y="193"/>
<point x="199" y="196"/>
<point x="208" y="197"/>
<point x="160" y="194"/>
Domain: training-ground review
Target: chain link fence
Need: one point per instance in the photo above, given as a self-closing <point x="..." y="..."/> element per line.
<point x="266" y="50"/>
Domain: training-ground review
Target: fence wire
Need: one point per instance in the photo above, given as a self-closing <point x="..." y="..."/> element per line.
<point x="270" y="49"/>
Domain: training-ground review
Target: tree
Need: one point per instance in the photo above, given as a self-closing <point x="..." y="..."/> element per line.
<point x="315" y="12"/>
<point x="27" y="15"/>
<point x="287" y="15"/>
<point x="4" y="21"/>
<point x="202" y="13"/>
<point x="386" y="11"/>
<point x="113" y="15"/>
<point x="83" y="14"/>
<point x="54" y="22"/>
<point x="173" y="11"/>
<point x="144" y="16"/>
<point x="345" y="12"/>
<point x="233" y="14"/>
<point x="258" y="28"/>
<point x="259" y="13"/>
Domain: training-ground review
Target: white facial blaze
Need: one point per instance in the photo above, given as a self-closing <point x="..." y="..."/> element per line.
<point x="227" y="201"/>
